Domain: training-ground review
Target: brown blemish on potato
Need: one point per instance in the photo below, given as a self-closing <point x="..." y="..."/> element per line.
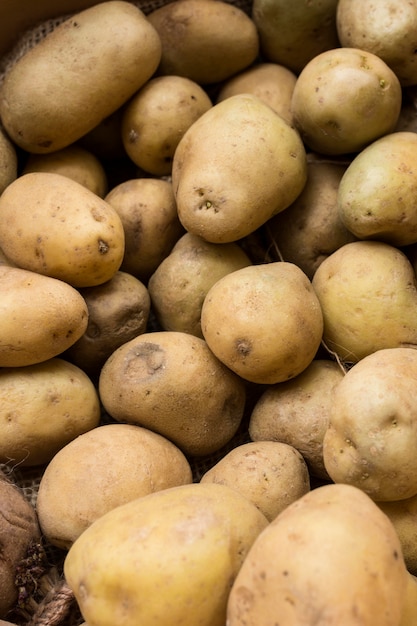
<point x="103" y="247"/>
<point x="144" y="360"/>
<point x="243" y="347"/>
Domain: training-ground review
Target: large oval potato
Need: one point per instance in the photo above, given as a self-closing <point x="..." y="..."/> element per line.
<point x="55" y="226"/>
<point x="80" y="73"/>
<point x="40" y="317"/>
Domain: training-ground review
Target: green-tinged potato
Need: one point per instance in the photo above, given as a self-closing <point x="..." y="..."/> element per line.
<point x="42" y="408"/>
<point x="344" y="99"/>
<point x="166" y="559"/>
<point x="310" y="229"/>
<point x="19" y="533"/>
<point x="368" y="296"/>
<point x="272" y="83"/>
<point x="269" y="473"/>
<point x="297" y="412"/>
<point x="171" y="383"/>
<point x="79" y="74"/>
<point x="331" y="557"/>
<point x="377" y="196"/>
<point x="148" y="211"/>
<point x="156" y="118"/>
<point x="369" y="442"/>
<point x="73" y="161"/>
<point x="293" y="33"/>
<point x="238" y="165"/>
<point x="55" y="226"/>
<point x="181" y="281"/>
<point x="118" y="311"/>
<point x="8" y="161"/>
<point x="206" y="41"/>
<point x="101" y="469"/>
<point x="387" y="29"/>
<point x="264" y="322"/>
<point x="403" y="515"/>
<point x="40" y="317"/>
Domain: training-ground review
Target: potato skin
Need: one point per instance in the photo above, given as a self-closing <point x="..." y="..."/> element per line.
<point x="79" y="74"/>
<point x="8" y="161"/>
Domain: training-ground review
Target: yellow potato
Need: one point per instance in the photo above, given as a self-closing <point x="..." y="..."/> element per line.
<point x="8" y="161"/>
<point x="403" y="516"/>
<point x="166" y="559"/>
<point x="79" y="74"/>
<point x="40" y="317"/>
<point x="55" y="226"/>
<point x="42" y="408"/>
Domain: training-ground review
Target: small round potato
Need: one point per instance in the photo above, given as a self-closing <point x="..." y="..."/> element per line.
<point x="101" y="469"/>
<point x="43" y="407"/>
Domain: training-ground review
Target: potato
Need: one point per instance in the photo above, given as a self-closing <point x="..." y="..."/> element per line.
<point x="41" y="317"/>
<point x="118" y="311"/>
<point x="387" y="29"/>
<point x="369" y="442"/>
<point x="73" y="161"/>
<point x="271" y="82"/>
<point x="148" y="211"/>
<point x="171" y="383"/>
<point x="105" y="140"/>
<point x="19" y="533"/>
<point x="181" y="281"/>
<point x="101" y="469"/>
<point x="368" y="297"/>
<point x="8" y="161"/>
<point x="264" y="322"/>
<point x="333" y="119"/>
<point x="206" y="41"/>
<point x="79" y="74"/>
<point x="331" y="557"/>
<point x="178" y="549"/>
<point x="377" y="194"/>
<point x="43" y="407"/>
<point x="55" y="226"/>
<point x="269" y="473"/>
<point x="297" y="412"/>
<point x="403" y="516"/>
<point x="221" y="202"/>
<point x="310" y="229"/>
<point x="156" y="118"/>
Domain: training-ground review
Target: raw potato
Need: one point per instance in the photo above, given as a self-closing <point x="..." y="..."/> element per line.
<point x="101" y="469"/>
<point x="331" y="557"/>
<point x="369" y="442"/>
<point x="403" y="515"/>
<point x="79" y="74"/>
<point x="272" y="83"/>
<point x="148" y="211"/>
<point x="157" y="117"/>
<point x="74" y="161"/>
<point x="42" y="408"/>
<point x="268" y="473"/>
<point x="193" y="540"/>
<point x="40" y="317"/>
<point x="377" y="193"/>
<point x="171" y="383"/>
<point x="206" y="41"/>
<point x="118" y="311"/>
<point x="297" y="412"/>
<point x="276" y="346"/>
<point x="55" y="226"/>
<point x="19" y="532"/>
<point x="222" y="202"/>
<point x="181" y="281"/>
<point x="8" y="161"/>
<point x="368" y="295"/>
<point x="344" y="99"/>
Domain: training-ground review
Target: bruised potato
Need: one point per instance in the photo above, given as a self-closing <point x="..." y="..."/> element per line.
<point x="101" y="469"/>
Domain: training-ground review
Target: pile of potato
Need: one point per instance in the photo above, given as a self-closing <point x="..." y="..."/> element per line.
<point x="208" y="256"/>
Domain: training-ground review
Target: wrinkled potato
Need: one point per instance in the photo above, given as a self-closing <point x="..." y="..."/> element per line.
<point x="269" y="473"/>
<point x="40" y="317"/>
<point x="171" y="383"/>
<point x="42" y="408"/>
<point x="79" y="74"/>
<point x="55" y="226"/>
<point x="101" y="469"/>
<point x="156" y="118"/>
<point x="181" y="281"/>
<point x="8" y="161"/>
<point x="193" y="540"/>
